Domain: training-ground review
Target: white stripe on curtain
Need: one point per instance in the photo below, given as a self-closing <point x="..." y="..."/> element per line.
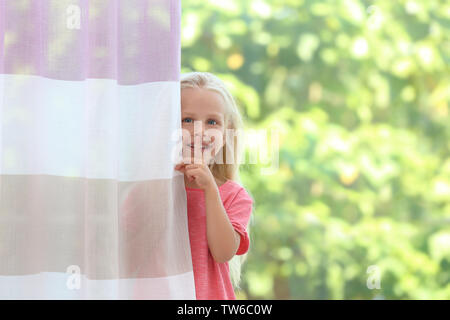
<point x="90" y="206"/>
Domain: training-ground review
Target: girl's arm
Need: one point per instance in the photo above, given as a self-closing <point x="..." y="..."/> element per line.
<point x="223" y="240"/>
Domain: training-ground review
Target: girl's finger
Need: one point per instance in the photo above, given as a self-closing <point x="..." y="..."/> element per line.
<point x="181" y="168"/>
<point x="193" y="171"/>
<point x="192" y="166"/>
<point x="190" y="176"/>
<point x="195" y="165"/>
<point x="181" y="164"/>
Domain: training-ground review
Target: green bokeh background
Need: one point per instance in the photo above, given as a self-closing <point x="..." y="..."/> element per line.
<point x="359" y="92"/>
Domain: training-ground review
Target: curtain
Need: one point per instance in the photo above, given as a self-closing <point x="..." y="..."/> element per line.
<point x="90" y="206"/>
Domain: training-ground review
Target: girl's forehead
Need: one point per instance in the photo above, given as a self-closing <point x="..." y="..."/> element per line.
<point x="202" y="101"/>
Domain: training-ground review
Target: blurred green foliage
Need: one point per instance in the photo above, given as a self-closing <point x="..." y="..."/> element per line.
<point x="359" y="91"/>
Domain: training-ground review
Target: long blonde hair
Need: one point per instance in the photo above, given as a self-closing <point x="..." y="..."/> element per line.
<point x="223" y="170"/>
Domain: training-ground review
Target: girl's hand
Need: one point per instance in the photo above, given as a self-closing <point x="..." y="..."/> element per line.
<point x="199" y="172"/>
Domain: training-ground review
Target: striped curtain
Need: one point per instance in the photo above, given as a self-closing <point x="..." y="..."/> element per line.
<point x="90" y="206"/>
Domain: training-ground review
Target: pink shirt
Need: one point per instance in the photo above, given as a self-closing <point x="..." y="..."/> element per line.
<point x="212" y="279"/>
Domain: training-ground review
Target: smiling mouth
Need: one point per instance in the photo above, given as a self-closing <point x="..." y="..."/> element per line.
<point x="204" y="147"/>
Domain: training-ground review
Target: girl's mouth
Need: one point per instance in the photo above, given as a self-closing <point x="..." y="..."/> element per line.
<point x="204" y="147"/>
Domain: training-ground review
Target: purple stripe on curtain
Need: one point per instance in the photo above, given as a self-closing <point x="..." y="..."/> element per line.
<point x="110" y="45"/>
<point x="2" y="34"/>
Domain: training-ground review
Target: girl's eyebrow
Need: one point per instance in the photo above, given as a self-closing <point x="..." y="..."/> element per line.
<point x="209" y="115"/>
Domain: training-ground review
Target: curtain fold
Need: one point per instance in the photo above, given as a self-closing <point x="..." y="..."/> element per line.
<point x="90" y="206"/>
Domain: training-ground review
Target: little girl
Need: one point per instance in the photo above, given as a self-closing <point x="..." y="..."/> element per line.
<point x="219" y="208"/>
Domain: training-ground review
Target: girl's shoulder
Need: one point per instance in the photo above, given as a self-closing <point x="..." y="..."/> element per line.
<point x="230" y="185"/>
<point x="231" y="189"/>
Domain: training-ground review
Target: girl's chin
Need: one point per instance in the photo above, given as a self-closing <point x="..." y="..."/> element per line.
<point x="191" y="159"/>
<point x="186" y="148"/>
<point x="192" y="152"/>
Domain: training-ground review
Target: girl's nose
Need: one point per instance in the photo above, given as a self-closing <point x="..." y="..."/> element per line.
<point x="202" y="136"/>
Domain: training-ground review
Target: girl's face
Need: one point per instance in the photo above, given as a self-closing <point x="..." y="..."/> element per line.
<point x="204" y="111"/>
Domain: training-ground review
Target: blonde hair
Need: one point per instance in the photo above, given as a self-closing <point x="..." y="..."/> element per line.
<point x="223" y="170"/>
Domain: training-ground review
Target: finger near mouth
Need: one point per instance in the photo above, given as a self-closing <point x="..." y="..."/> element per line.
<point x="202" y="147"/>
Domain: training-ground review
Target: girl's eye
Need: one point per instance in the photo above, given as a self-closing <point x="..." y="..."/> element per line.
<point x="209" y="121"/>
<point x="186" y="120"/>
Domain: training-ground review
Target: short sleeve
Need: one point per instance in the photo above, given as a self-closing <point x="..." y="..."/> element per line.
<point x="239" y="212"/>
